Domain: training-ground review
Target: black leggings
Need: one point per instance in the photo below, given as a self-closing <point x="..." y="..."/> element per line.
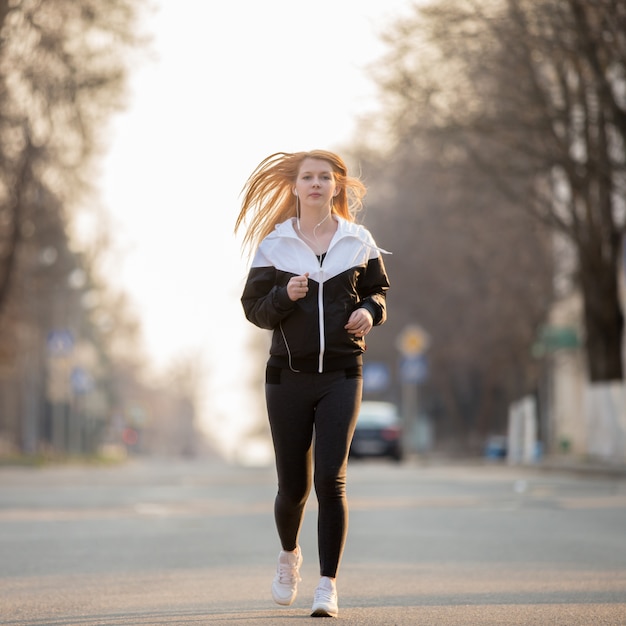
<point x="299" y="406"/>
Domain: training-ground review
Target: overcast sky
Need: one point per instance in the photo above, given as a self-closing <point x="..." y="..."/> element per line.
<point x="231" y="83"/>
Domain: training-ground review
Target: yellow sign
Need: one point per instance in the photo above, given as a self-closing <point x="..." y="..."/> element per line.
<point x="413" y="340"/>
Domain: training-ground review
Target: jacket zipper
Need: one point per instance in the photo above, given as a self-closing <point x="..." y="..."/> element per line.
<point x="320" y="307"/>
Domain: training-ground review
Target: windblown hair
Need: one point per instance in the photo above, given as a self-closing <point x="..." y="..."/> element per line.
<point x="268" y="194"/>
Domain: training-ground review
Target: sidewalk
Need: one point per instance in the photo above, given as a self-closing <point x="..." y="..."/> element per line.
<point x="582" y="466"/>
<point x="553" y="463"/>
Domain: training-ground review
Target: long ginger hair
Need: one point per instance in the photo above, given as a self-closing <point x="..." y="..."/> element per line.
<point x="268" y="199"/>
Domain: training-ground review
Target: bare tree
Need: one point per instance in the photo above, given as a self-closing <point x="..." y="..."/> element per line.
<point x="63" y="69"/>
<point x="533" y="91"/>
<point x="62" y="72"/>
<point x="469" y="269"/>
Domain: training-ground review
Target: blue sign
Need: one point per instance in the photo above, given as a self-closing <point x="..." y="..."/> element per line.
<point x="60" y="342"/>
<point x="376" y="377"/>
<point x="81" y="380"/>
<point x="413" y="369"/>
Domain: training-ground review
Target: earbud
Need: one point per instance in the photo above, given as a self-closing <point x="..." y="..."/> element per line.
<point x="295" y="193"/>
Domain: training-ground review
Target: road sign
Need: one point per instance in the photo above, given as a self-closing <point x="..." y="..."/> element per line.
<point x="413" y="340"/>
<point x="81" y="380"/>
<point x="413" y="369"/>
<point x="375" y="377"/>
<point x="60" y="342"/>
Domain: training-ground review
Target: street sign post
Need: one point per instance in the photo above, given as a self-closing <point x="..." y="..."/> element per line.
<point x="60" y="349"/>
<point x="412" y="342"/>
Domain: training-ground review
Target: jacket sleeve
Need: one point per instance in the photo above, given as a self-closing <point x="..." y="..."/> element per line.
<point x="372" y="288"/>
<point x="265" y="302"/>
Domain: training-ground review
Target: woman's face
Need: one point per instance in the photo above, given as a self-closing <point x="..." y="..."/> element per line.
<point x="315" y="184"/>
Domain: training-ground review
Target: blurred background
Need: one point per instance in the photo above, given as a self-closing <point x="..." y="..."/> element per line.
<point x="491" y="136"/>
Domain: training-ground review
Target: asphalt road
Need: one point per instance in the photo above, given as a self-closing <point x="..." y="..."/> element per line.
<point x="193" y="542"/>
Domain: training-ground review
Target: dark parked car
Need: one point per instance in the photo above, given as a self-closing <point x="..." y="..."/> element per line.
<point x="378" y="432"/>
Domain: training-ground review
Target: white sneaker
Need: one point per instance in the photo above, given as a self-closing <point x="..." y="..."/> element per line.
<point x="325" y="599"/>
<point x="285" y="584"/>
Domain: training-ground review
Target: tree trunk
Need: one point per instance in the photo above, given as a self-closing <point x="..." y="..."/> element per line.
<point x="604" y="321"/>
<point x="15" y="211"/>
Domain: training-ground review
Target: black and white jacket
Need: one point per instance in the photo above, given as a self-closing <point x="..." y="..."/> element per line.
<point x="309" y="334"/>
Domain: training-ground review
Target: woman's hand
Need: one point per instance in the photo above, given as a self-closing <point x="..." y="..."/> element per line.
<point x="360" y="322"/>
<point x="298" y="286"/>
